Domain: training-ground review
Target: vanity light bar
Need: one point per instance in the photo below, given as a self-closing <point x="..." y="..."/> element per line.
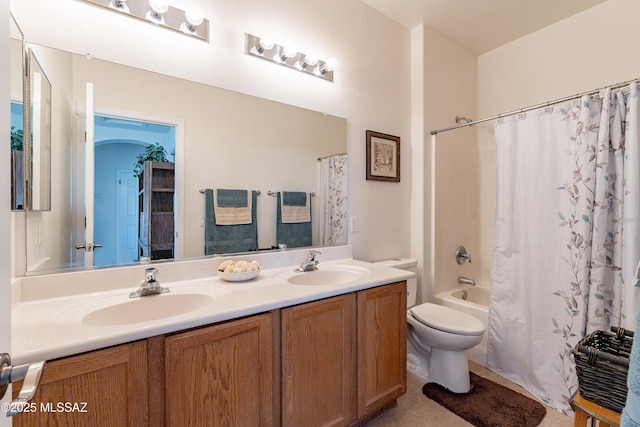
<point x="266" y="49"/>
<point x="190" y="23"/>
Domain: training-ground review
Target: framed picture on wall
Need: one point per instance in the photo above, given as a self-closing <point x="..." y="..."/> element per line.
<point x="383" y="157"/>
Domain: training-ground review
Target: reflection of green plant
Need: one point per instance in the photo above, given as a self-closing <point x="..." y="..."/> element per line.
<point x="16" y="139"/>
<point x="152" y="152"/>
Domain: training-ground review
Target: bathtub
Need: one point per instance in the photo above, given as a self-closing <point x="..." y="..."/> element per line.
<point x="476" y="304"/>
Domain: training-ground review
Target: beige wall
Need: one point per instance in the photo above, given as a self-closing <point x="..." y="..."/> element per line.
<point x="450" y="91"/>
<point x="595" y="48"/>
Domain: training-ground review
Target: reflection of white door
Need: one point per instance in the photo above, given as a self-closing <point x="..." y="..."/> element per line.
<point x="88" y="244"/>
<point x="126" y="216"/>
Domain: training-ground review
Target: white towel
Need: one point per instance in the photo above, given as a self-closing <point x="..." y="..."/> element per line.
<point x="233" y="215"/>
<point x="295" y="214"/>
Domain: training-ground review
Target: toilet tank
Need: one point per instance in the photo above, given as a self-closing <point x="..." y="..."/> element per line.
<point x="408" y="264"/>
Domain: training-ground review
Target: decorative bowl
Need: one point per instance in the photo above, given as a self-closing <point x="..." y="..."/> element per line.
<point x="238" y="277"/>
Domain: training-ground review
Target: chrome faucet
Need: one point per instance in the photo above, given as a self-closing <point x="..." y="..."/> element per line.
<point x="310" y="264"/>
<point x="149" y="286"/>
<point x="466" y="281"/>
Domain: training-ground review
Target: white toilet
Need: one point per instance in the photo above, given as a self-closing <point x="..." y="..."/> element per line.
<point x="437" y="337"/>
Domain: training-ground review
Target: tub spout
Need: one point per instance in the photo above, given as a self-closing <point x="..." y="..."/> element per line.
<point x="466" y="281"/>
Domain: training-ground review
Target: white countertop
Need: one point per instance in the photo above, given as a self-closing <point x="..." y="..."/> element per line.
<point x="50" y="328"/>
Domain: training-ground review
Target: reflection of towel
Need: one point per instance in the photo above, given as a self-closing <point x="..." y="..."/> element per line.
<point x="296" y="234"/>
<point x="636" y="280"/>
<point x="631" y="412"/>
<point x="221" y="239"/>
<point x="295" y="207"/>
<point x="232" y="207"/>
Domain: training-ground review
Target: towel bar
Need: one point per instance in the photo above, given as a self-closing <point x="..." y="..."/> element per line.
<point x="275" y="193"/>
<point x="202" y="190"/>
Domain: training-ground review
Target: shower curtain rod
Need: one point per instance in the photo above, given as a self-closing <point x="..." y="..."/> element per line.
<point x="534" y="107"/>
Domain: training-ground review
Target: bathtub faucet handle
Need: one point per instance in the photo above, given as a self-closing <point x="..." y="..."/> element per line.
<point x="462" y="255"/>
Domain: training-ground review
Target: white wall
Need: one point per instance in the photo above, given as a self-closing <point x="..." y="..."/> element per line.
<point x="371" y="88"/>
<point x="5" y="197"/>
<point x="595" y="48"/>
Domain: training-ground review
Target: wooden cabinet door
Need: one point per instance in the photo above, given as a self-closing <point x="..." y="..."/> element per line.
<point x="221" y="375"/>
<point x="101" y="388"/>
<point x="318" y="363"/>
<point x="382" y="346"/>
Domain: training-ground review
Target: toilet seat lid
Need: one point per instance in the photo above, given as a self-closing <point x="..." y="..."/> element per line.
<point x="447" y="319"/>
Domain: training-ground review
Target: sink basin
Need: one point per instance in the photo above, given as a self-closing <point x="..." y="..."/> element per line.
<point x="119" y="309"/>
<point x="324" y="276"/>
<point x="145" y="309"/>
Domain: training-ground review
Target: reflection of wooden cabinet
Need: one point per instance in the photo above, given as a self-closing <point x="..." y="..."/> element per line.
<point x="155" y="206"/>
<point x="221" y="375"/>
<point x="101" y="388"/>
<point x="17" y="180"/>
<point x="382" y="346"/>
<point x="318" y="363"/>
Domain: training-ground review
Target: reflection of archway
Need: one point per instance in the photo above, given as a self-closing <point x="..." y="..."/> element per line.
<point x="118" y="142"/>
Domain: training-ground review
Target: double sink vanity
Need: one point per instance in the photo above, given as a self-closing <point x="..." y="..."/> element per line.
<point x="324" y="347"/>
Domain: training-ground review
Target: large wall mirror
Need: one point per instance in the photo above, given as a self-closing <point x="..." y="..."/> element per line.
<point x="213" y="138"/>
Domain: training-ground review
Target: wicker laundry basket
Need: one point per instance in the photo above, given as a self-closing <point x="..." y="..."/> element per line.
<point x="602" y="364"/>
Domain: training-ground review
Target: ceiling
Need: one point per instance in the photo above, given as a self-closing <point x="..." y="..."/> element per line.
<point x="481" y="25"/>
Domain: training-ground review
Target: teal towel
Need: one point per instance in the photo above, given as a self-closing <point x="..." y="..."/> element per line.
<point x="294" y="235"/>
<point x="232" y="198"/>
<point x="294" y="198"/>
<point x="222" y="239"/>
<point x="631" y="412"/>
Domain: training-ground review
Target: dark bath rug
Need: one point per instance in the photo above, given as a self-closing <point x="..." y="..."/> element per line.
<point x="488" y="404"/>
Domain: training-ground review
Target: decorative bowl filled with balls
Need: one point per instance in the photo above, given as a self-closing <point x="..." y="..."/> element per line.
<point x="238" y="271"/>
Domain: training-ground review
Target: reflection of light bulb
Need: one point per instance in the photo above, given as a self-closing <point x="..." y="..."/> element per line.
<point x="158" y="7"/>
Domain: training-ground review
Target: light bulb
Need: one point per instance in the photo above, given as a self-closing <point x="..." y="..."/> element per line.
<point x="120" y="5"/>
<point x="266" y="43"/>
<point x="194" y="17"/>
<point x="290" y="51"/>
<point x="311" y="60"/>
<point x="159" y="6"/>
<point x="330" y="63"/>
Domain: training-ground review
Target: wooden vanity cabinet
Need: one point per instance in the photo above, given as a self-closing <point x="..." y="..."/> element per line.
<point x="222" y="375"/>
<point x="318" y="363"/>
<point x="102" y="388"/>
<point x="344" y="358"/>
<point x="382" y="347"/>
<point x="333" y="362"/>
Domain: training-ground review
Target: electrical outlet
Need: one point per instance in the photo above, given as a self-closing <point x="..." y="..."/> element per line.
<point x="353" y="224"/>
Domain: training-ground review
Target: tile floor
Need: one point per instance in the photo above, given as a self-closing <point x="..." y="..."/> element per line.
<point x="416" y="410"/>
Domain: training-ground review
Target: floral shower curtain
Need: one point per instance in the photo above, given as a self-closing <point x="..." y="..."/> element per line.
<point x="332" y="222"/>
<point x="567" y="237"/>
